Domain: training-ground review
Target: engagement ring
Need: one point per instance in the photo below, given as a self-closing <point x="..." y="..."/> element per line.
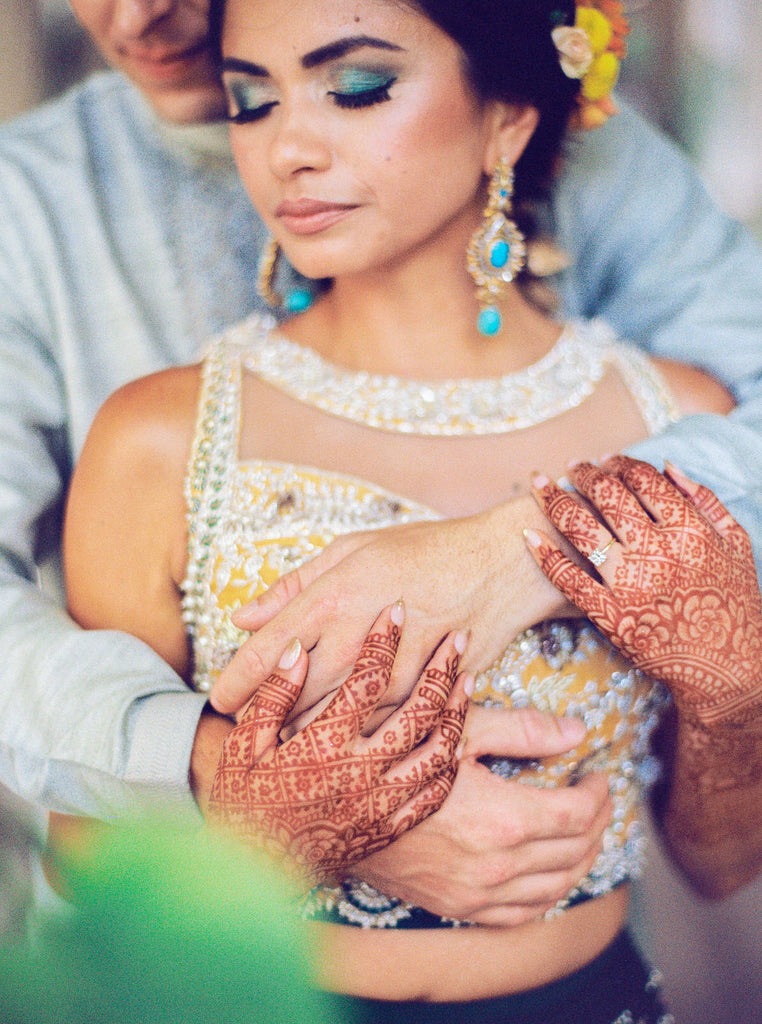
<point x="598" y="555"/>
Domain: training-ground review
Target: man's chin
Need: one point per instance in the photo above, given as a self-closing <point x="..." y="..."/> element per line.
<point x="187" y="104"/>
<point x="182" y="91"/>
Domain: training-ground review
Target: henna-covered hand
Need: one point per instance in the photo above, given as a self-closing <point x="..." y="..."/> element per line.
<point x="679" y="594"/>
<point x="329" y="796"/>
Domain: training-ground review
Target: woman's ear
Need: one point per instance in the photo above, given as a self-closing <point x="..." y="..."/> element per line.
<point x="511" y="129"/>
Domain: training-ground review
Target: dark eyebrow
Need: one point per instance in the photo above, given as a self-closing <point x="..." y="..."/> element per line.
<point x="245" y="66"/>
<point x="323" y="54"/>
<point x="343" y="46"/>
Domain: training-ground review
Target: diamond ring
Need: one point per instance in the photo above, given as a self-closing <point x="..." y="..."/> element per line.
<point x="598" y="555"/>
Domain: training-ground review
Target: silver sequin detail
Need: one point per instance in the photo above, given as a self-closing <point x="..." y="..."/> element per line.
<point x="558" y="382"/>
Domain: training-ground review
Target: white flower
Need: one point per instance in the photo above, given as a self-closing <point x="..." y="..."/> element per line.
<point x="574" y="49"/>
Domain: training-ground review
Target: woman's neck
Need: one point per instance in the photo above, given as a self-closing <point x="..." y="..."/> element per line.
<point x="419" y="320"/>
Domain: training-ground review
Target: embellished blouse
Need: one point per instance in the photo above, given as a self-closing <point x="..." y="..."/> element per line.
<point x="250" y="522"/>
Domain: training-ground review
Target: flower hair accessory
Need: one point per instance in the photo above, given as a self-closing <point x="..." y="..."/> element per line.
<point x="592" y="50"/>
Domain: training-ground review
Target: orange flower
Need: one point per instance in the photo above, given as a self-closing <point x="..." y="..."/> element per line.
<point x="614" y="11"/>
<point x="593" y="115"/>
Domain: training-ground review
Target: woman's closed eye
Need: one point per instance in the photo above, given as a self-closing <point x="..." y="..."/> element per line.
<point x="248" y="101"/>
<point x="361" y="87"/>
<point x="350" y="88"/>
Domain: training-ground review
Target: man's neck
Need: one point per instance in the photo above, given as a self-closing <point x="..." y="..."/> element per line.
<point x="203" y="141"/>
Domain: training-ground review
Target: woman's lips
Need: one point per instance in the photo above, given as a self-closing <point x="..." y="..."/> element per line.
<point x="308" y="216"/>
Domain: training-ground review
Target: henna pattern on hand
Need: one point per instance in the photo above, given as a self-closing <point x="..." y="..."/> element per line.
<point x="680" y="595"/>
<point x="329" y="796"/>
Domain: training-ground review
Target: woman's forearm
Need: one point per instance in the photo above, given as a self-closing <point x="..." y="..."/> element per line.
<point x="710" y="811"/>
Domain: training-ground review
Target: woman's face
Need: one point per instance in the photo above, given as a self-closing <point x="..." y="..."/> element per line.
<point x="354" y="130"/>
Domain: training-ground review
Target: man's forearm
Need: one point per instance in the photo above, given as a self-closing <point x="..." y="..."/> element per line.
<point x="687" y="286"/>
<point x="91" y="723"/>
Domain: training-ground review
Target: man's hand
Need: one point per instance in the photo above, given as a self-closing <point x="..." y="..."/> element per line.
<point x="211" y="733"/>
<point x="499" y="852"/>
<point x="472" y="574"/>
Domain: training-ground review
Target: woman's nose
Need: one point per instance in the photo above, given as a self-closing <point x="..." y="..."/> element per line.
<point x="299" y="144"/>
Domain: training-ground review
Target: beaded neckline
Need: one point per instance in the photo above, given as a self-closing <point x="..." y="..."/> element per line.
<point x="560" y="381"/>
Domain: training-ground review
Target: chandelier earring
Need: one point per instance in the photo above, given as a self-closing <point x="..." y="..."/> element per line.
<point x="497" y="250"/>
<point x="294" y="301"/>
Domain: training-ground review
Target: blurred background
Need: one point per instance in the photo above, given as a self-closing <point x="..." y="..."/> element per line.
<point x="694" y="69"/>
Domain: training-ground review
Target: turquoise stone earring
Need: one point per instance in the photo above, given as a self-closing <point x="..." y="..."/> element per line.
<point x="297" y="300"/>
<point x="294" y="301"/>
<point x="497" y="250"/>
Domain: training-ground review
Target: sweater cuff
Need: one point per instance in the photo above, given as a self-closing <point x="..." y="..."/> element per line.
<point x="163" y="727"/>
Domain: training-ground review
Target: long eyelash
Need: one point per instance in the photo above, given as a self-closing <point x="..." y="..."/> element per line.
<point x="247" y="115"/>
<point x="366" y="98"/>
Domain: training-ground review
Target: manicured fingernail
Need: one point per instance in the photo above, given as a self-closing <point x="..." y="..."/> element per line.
<point x="469" y="683"/>
<point x="461" y="749"/>
<point x="539" y="480"/>
<point x="678" y="477"/>
<point x="573" y="465"/>
<point x="460" y="640"/>
<point x="291" y="654"/>
<point x="534" y="540"/>
<point x="397" y="612"/>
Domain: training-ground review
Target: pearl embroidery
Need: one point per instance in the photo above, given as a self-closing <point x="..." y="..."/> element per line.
<point x="560" y="381"/>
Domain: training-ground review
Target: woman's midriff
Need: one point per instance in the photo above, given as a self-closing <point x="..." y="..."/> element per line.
<point x="454" y="964"/>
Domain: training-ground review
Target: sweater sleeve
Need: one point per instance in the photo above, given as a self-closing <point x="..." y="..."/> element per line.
<point x="654" y="256"/>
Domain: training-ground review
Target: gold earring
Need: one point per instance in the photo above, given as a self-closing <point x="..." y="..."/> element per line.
<point x="497" y="250"/>
<point x="294" y="301"/>
<point x="268" y="262"/>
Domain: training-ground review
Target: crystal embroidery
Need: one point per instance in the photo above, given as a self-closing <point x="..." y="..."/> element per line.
<point x="250" y="522"/>
<point x="558" y="382"/>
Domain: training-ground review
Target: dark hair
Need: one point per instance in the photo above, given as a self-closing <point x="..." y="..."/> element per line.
<point x="510" y="56"/>
<point x="216" y="13"/>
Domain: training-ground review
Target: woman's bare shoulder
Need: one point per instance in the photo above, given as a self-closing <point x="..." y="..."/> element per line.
<point x="124" y="533"/>
<point x="153" y="416"/>
<point x="695" y="390"/>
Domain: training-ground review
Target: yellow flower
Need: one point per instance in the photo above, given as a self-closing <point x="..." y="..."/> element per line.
<point x="597" y="26"/>
<point x="601" y="77"/>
